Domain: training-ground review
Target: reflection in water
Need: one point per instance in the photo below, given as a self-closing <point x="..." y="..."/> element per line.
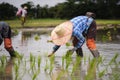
<point x="6" y="72"/>
<point x="78" y="70"/>
<point x="59" y="73"/>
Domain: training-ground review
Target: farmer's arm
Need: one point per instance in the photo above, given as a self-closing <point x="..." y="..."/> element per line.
<point x="55" y="48"/>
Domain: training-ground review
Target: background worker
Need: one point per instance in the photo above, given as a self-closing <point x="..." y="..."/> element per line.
<point x="23" y="15"/>
<point x="82" y="27"/>
<point x="5" y="35"/>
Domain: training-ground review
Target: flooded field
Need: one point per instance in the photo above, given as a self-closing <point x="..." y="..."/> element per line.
<point x="33" y="46"/>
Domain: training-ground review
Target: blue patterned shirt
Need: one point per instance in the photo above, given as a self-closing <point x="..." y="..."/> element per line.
<point x="80" y="25"/>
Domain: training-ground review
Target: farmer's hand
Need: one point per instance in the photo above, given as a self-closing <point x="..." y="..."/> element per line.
<point x="50" y="54"/>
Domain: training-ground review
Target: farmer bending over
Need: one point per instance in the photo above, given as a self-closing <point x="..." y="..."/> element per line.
<point x="79" y="28"/>
<point x="5" y="33"/>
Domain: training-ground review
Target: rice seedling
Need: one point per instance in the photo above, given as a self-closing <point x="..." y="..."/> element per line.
<point x="36" y="37"/>
<point x="35" y="76"/>
<point x="101" y="73"/>
<point x="70" y="67"/>
<point x="46" y="66"/>
<point x="113" y="60"/>
<point x="68" y="60"/>
<point x="16" y="69"/>
<point x="61" y="75"/>
<point x="68" y="44"/>
<point x="3" y="60"/>
<point x="39" y="62"/>
<point x="52" y="59"/>
<point x="63" y="60"/>
<point x="91" y="72"/>
<point x="76" y="64"/>
<point x="32" y="63"/>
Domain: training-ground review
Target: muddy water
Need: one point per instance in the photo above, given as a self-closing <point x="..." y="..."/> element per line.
<point x="107" y="41"/>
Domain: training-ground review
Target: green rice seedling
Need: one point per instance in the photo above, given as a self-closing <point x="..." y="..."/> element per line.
<point x="91" y="73"/>
<point x="68" y="44"/>
<point x="113" y="60"/>
<point x="102" y="73"/>
<point x="35" y="76"/>
<point x="32" y="66"/>
<point x="16" y="69"/>
<point x="46" y="66"/>
<point x="31" y="57"/>
<point x="76" y="64"/>
<point x="52" y="59"/>
<point x="36" y="37"/>
<point x="3" y="60"/>
<point x="62" y="75"/>
<point x="68" y="54"/>
<point x="100" y="60"/>
<point x="32" y="63"/>
<point x="115" y="75"/>
<point x="63" y="59"/>
<point x="39" y="61"/>
<point x="68" y="59"/>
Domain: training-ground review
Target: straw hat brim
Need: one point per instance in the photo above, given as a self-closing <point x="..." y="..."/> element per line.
<point x="60" y="40"/>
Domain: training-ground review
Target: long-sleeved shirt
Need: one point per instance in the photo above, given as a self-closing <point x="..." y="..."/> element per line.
<point x="80" y="25"/>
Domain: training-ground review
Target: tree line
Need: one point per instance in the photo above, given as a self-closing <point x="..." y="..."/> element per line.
<point x="104" y="9"/>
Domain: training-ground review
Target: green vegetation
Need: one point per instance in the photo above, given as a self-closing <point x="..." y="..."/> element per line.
<point x="35" y="23"/>
<point x="51" y="22"/>
<point x="107" y="21"/>
<point x="70" y="70"/>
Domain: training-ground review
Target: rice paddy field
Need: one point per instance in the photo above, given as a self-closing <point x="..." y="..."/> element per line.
<point x="33" y="46"/>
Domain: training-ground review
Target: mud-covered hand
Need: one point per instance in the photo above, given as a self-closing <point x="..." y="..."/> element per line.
<point x="71" y="51"/>
<point x="49" y="55"/>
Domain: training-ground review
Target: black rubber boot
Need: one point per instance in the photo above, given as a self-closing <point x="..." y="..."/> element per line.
<point x="95" y="53"/>
<point x="79" y="52"/>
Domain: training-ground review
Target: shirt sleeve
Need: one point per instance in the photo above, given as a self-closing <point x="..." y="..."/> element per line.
<point x="55" y="48"/>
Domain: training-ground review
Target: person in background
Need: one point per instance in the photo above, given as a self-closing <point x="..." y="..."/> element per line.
<point x="22" y="13"/>
<point x="5" y="35"/>
<point x="79" y="28"/>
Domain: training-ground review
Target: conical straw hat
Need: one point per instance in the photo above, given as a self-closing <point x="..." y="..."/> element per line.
<point x="62" y="33"/>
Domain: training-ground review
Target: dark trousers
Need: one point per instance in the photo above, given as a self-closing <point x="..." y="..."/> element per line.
<point x="79" y="50"/>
